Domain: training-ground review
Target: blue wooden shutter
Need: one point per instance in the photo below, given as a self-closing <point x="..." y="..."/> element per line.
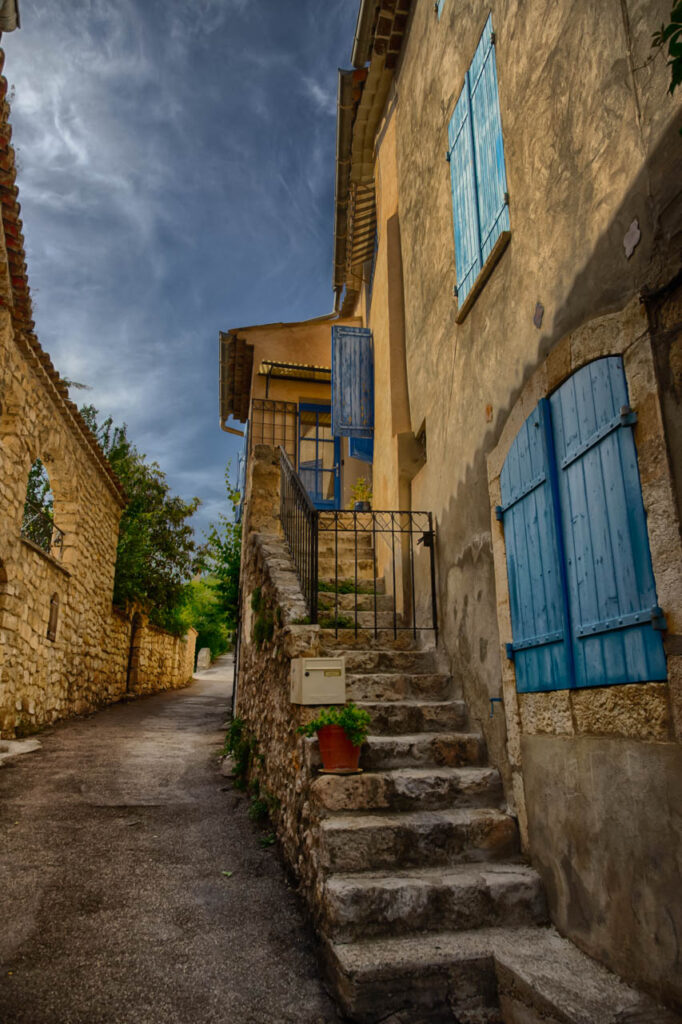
<point x="491" y="178"/>
<point x="615" y="620"/>
<point x="541" y="650"/>
<point x="464" y="202"/>
<point x="352" y="382"/>
<point x="361" y="448"/>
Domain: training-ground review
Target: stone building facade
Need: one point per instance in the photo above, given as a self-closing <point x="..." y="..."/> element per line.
<point x="65" y="650"/>
<point x="587" y="268"/>
<point x="574" y="279"/>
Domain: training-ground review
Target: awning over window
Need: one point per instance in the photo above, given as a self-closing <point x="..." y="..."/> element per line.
<point x="294" y="371"/>
<point x="352" y="382"/>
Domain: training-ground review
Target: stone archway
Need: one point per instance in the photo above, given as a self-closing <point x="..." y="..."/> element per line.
<point x="134" y="652"/>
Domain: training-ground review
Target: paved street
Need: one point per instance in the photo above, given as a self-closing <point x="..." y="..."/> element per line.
<point x="113" y="905"/>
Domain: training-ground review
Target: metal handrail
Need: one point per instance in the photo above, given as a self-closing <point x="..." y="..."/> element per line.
<point x="39" y="528"/>
<point x="299" y="519"/>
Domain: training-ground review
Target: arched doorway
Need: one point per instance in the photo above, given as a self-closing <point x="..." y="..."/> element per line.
<point x="134" y="652"/>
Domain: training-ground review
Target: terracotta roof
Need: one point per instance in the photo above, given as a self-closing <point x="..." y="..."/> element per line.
<point x="15" y="295"/>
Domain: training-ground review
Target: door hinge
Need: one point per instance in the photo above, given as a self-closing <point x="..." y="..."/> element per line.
<point x="499" y="513"/>
<point x="510" y="651"/>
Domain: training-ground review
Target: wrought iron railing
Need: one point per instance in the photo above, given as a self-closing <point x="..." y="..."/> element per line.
<point x="273" y="422"/>
<point x="299" y="521"/>
<point x="385" y="562"/>
<point x="38" y="527"/>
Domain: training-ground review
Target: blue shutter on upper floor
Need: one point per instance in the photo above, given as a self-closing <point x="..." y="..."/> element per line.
<point x="361" y="448"/>
<point x="615" y="620"/>
<point x="352" y="382"/>
<point x="541" y="651"/>
<point x="464" y="201"/>
<point x="491" y="178"/>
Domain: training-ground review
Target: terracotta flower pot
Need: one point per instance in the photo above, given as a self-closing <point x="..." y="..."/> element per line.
<point x="336" y="750"/>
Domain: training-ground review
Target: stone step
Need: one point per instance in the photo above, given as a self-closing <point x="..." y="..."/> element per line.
<point x="388" y="655"/>
<point x="462" y="897"/>
<point x="362" y="842"/>
<point x="365" y="620"/>
<point x="345" y="567"/>
<point x="485" y="975"/>
<point x="399" y="686"/>
<point x="346" y="602"/>
<point x="408" y="789"/>
<point x="412" y="716"/>
<point x="326" y="544"/>
<point x="423" y="749"/>
<point x="365" y="586"/>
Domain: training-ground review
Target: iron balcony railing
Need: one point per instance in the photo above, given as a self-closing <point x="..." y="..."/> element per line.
<point x="360" y="570"/>
<point x="299" y="518"/>
<point x="38" y="527"/>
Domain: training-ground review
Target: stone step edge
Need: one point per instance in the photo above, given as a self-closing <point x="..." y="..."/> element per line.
<point x="535" y="967"/>
<point x="391" y="819"/>
<point x="378" y="740"/>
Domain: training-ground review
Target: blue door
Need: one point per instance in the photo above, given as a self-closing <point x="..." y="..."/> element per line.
<point x="319" y="455"/>
<point x="581" y="584"/>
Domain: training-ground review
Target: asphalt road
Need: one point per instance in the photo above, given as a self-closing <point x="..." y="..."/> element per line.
<point x="113" y="905"/>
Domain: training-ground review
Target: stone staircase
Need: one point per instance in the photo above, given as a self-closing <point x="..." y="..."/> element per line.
<point x="425" y="907"/>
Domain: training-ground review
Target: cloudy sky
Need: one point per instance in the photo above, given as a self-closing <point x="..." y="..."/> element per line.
<point x="176" y="177"/>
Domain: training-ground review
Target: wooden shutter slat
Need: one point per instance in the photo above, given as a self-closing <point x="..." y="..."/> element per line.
<point x="609" y="572"/>
<point x="539" y="625"/>
<point x="491" y="178"/>
<point x="464" y="202"/>
<point x="352" y="382"/>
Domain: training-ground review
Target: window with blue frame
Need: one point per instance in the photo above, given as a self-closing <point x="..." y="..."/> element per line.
<point x="581" y="586"/>
<point x="477" y="173"/>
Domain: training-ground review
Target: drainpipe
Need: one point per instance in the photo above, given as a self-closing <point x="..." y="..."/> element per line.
<point x="362" y="43"/>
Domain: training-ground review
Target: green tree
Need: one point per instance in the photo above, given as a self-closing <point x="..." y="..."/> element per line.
<point x="157" y="553"/>
<point x="222" y="554"/>
<point x="203" y="609"/>
<point x="38" y="491"/>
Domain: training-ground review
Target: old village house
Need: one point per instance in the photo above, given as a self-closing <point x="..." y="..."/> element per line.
<point x="506" y="349"/>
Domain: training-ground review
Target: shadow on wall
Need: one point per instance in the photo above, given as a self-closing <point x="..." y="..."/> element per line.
<point x="466" y="587"/>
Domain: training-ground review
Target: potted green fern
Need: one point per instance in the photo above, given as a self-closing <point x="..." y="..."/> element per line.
<point x="341" y="731"/>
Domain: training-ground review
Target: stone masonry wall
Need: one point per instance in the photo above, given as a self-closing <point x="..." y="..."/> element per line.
<point x="86" y="665"/>
<point x="285" y="761"/>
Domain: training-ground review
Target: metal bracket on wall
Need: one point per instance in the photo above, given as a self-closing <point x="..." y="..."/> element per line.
<point x="493" y="702"/>
<point x="510" y="651"/>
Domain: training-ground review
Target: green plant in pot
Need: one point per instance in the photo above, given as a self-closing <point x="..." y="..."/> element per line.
<point x="341" y="731"/>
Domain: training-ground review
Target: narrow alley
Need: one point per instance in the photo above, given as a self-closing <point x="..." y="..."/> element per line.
<point x="115" y="901"/>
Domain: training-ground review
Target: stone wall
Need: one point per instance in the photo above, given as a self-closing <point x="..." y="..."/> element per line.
<point x="85" y="663"/>
<point x="591" y="146"/>
<point x="285" y="761"/>
<point x="594" y="770"/>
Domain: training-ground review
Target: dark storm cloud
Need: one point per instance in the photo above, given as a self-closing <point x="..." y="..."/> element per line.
<point x="176" y="172"/>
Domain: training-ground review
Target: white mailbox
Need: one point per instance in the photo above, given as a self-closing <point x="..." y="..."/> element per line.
<point x="318" y="680"/>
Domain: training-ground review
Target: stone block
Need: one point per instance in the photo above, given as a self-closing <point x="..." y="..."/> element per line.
<point x="548" y="713"/>
<point x="639" y="710"/>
